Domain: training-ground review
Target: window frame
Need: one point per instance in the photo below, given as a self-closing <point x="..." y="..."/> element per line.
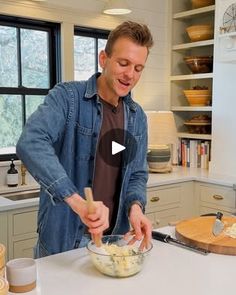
<point x="92" y="33"/>
<point x="54" y="53"/>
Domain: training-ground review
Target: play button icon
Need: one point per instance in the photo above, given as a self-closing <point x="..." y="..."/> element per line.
<point x="117" y="148"/>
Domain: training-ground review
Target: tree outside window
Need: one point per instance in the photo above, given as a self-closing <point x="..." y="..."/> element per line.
<point x="28" y="69"/>
<point x="88" y="42"/>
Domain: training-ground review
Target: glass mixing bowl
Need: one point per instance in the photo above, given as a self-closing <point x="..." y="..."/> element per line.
<point x="116" y="258"/>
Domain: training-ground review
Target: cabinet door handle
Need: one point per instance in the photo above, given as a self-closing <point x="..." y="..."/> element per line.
<point x="157" y="221"/>
<point x="155" y="199"/>
<point x="218" y="197"/>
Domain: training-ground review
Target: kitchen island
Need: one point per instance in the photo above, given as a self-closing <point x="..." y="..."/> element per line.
<point x="167" y="270"/>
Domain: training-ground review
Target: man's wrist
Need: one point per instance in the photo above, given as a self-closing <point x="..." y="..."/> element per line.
<point x="136" y="202"/>
<point x="73" y="198"/>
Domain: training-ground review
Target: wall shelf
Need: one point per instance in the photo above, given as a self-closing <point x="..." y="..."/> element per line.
<point x="181" y="78"/>
<point x="191" y="109"/>
<point x="194" y="136"/>
<point x="194" y="12"/>
<point x="190" y="45"/>
<point x="191" y="76"/>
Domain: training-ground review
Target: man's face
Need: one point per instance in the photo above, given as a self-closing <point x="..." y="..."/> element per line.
<point x="122" y="70"/>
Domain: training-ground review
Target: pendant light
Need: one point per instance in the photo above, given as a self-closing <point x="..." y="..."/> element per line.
<point x="116" y="7"/>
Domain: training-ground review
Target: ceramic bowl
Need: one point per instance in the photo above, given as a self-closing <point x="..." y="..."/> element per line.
<point x="198" y="128"/>
<point x="199" y="124"/>
<point x="158" y="159"/>
<point x="200" y="32"/>
<point x="160" y="151"/>
<point x="199" y="64"/>
<point x="119" y="259"/>
<point x="198" y="97"/>
<point x="202" y="3"/>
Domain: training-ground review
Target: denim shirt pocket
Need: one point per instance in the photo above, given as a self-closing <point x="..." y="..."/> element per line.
<point x="83" y="142"/>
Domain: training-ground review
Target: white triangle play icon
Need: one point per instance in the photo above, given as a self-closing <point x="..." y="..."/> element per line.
<point x="116" y="147"/>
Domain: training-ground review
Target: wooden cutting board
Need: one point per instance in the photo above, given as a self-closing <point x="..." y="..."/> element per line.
<point x="198" y="232"/>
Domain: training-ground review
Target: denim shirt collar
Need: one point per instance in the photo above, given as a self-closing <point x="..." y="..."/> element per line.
<point x="91" y="92"/>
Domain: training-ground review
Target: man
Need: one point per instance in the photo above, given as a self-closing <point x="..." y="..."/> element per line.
<point x="62" y="147"/>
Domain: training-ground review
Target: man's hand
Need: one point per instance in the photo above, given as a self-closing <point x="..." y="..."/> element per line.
<point x="142" y="227"/>
<point x="96" y="222"/>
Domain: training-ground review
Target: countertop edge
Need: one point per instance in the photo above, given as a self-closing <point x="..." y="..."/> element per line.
<point x="178" y="175"/>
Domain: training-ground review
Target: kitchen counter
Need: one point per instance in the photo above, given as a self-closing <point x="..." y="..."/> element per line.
<point x="168" y="270"/>
<point x="179" y="174"/>
<point x="7" y="204"/>
<point x="182" y="174"/>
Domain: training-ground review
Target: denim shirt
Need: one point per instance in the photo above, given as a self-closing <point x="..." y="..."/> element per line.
<point x="58" y="146"/>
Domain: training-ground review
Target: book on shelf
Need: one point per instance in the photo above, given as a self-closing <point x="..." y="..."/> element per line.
<point x="194" y="153"/>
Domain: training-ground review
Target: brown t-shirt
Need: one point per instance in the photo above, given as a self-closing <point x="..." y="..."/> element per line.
<point x="107" y="178"/>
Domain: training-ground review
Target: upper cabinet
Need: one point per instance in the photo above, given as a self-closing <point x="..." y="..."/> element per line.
<point x="192" y="45"/>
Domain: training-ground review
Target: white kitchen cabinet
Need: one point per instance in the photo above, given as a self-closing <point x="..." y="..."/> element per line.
<point x="3" y="229"/>
<point x="183" y="16"/>
<point x="168" y="203"/>
<point x="22" y="236"/>
<point x="213" y="198"/>
<point x="18" y="231"/>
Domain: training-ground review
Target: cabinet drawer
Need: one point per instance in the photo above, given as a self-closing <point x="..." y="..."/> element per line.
<point x="163" y="198"/>
<point x="25" y="222"/>
<point x="218" y="196"/>
<point x="24" y="248"/>
<point x="166" y="216"/>
<point x="162" y="218"/>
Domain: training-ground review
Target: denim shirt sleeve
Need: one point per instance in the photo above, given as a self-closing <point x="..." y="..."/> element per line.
<point x="136" y="190"/>
<point x="42" y="133"/>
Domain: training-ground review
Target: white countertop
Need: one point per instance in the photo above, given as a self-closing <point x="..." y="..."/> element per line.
<point x="179" y="174"/>
<point x="168" y="270"/>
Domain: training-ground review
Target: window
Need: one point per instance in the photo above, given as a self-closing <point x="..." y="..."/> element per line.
<point x="87" y="45"/>
<point x="29" y="67"/>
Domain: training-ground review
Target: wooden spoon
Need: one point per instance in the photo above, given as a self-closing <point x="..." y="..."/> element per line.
<point x="91" y="208"/>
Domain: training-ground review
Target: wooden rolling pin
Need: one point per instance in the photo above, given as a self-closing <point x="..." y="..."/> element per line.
<point x="91" y="208"/>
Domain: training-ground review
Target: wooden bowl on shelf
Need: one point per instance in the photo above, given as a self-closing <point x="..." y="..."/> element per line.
<point x="202" y="3"/>
<point x="200" y="32"/>
<point x="199" y="64"/>
<point x="199" y="124"/>
<point x="198" y="97"/>
<point x="198" y="128"/>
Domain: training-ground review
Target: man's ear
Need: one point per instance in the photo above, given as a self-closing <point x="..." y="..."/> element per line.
<point x="102" y="59"/>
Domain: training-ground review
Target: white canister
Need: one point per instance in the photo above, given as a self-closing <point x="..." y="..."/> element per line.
<point x="21" y="275"/>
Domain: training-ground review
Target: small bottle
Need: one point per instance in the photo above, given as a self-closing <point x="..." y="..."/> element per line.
<point x="12" y="175"/>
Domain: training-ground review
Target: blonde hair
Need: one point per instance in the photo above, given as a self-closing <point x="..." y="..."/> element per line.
<point x="138" y="33"/>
